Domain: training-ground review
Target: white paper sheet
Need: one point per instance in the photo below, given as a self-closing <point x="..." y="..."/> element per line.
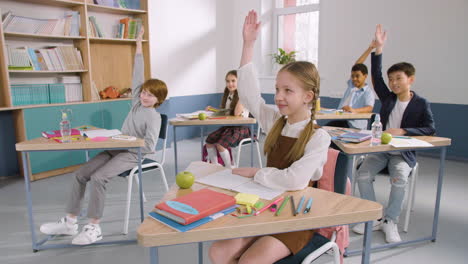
<point x="226" y="180"/>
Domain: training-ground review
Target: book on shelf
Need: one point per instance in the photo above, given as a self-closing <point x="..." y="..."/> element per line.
<point x="183" y="228"/>
<point x="18" y="58"/>
<point x="96" y="29"/>
<point x="195" y="206"/>
<point x="68" y="25"/>
<point x="128" y="28"/>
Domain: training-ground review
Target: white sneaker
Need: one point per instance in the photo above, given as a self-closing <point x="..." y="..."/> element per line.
<point x="90" y="234"/>
<point x="391" y="231"/>
<point x="359" y="228"/>
<point x="61" y="227"/>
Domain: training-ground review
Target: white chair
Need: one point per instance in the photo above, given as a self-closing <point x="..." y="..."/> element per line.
<point x="247" y="141"/>
<point x="323" y="249"/>
<point x="410" y="196"/>
<point x="147" y="165"/>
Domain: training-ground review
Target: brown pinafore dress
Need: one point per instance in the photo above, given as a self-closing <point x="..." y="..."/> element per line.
<point x="295" y="241"/>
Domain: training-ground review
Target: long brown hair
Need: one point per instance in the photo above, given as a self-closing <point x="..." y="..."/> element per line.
<point x="307" y="74"/>
<point x="235" y="98"/>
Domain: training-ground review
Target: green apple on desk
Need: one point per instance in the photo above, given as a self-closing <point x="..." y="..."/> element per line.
<point x="185" y="179"/>
<point x="385" y="138"/>
<point x="202" y="116"/>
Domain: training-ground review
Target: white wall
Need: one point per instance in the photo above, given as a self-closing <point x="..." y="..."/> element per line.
<point x="183" y="45"/>
<point x="431" y="34"/>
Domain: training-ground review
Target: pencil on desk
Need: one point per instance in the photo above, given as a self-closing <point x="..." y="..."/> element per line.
<point x="293" y="207"/>
<point x="282" y="205"/>
<point x="301" y="202"/>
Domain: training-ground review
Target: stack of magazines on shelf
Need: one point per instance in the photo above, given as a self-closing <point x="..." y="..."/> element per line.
<point x="68" y="25"/>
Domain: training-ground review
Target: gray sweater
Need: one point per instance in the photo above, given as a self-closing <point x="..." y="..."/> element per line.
<point x="141" y="122"/>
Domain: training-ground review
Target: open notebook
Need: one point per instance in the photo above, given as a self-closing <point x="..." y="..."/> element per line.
<point x="226" y="180"/>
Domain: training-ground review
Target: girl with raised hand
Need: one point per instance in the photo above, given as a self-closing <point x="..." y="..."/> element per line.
<point x="296" y="151"/>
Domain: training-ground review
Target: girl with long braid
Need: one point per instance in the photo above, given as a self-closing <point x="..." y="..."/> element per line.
<point x="296" y="151"/>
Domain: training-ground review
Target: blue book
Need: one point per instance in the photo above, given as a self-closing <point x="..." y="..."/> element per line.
<point x="183" y="228"/>
<point x="354" y="137"/>
<point x="33" y="57"/>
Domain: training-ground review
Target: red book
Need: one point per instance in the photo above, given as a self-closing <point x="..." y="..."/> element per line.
<point x="194" y="206"/>
<point x="56" y="133"/>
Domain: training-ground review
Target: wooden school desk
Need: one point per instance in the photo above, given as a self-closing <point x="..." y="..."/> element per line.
<point x="328" y="209"/>
<point x="220" y="121"/>
<point x="342" y="116"/>
<point x="43" y="144"/>
<point x="352" y="149"/>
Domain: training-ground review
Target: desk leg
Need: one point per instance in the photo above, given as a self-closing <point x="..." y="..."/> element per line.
<point x="175" y="150"/>
<point x="27" y="185"/>
<point x="202" y="132"/>
<point x="443" y="152"/>
<point x="200" y="252"/>
<point x="153" y="255"/>
<point x="366" y="244"/>
<point x="140" y="183"/>
<point x="349" y="175"/>
<point x="252" y="145"/>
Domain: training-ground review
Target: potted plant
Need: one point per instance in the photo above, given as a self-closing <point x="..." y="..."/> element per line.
<point x="282" y="58"/>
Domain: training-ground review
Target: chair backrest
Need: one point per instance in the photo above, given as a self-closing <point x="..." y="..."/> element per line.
<point x="163" y="131"/>
<point x="163" y="136"/>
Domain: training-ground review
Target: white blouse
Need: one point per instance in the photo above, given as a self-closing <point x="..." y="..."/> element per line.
<point x="310" y="166"/>
<point x="245" y="113"/>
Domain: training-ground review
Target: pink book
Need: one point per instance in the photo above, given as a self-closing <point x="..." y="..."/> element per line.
<point x="56" y="133"/>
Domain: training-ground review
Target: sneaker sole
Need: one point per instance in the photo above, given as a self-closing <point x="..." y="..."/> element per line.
<point x="374" y="228"/>
<point x="84" y="244"/>
<point x="58" y="234"/>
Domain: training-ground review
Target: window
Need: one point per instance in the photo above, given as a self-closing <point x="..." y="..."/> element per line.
<point x="296" y="27"/>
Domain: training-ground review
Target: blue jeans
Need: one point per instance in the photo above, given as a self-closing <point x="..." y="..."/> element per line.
<point x="399" y="171"/>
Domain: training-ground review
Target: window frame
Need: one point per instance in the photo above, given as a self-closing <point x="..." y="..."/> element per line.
<point x="283" y="11"/>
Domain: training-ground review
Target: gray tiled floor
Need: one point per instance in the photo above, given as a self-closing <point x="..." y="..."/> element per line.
<point x="49" y="194"/>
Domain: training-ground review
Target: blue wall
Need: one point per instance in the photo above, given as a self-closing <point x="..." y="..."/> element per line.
<point x="446" y="116"/>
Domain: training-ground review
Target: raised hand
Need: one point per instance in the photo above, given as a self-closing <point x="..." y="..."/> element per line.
<point x="251" y="27"/>
<point x="249" y="34"/>
<point x="140" y="34"/>
<point x="139" y="39"/>
<point x="380" y="38"/>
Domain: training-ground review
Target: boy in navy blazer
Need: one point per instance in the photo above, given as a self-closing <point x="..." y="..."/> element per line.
<point x="403" y="113"/>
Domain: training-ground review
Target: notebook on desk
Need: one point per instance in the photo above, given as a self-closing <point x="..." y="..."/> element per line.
<point x="195" y="206"/>
<point x="226" y="180"/>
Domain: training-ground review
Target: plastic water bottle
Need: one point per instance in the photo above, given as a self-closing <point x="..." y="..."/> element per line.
<point x="376" y="131"/>
<point x="65" y="128"/>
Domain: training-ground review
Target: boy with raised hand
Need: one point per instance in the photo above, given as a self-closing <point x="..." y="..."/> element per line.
<point x="358" y="97"/>
<point x="403" y="112"/>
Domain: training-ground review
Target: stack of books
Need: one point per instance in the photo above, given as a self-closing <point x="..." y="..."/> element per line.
<point x="94" y="28"/>
<point x="131" y="4"/>
<point x="354" y="137"/>
<point x="194" y="209"/>
<point x="69" y="25"/>
<point x="52" y="93"/>
<point x="128" y="28"/>
<point x="57" y="58"/>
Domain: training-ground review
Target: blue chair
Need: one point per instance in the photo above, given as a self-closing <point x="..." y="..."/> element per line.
<point x="147" y="165"/>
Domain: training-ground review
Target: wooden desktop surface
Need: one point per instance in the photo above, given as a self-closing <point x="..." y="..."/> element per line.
<point x="342" y="116"/>
<point x="328" y="209"/>
<point x="45" y="144"/>
<point x="364" y="147"/>
<point x="228" y="120"/>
